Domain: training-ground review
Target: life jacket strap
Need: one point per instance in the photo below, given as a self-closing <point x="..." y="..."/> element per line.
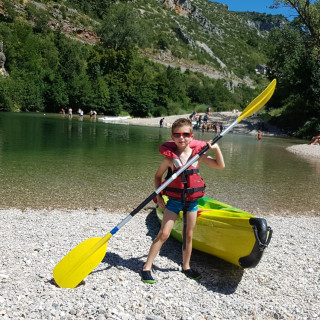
<point x="184" y="173"/>
<point x="189" y="171"/>
<point x="187" y="190"/>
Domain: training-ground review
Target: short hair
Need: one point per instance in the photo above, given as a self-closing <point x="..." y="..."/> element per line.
<point x="180" y="123"/>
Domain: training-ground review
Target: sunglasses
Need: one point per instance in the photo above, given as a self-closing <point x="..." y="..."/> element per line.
<point x="183" y="134"/>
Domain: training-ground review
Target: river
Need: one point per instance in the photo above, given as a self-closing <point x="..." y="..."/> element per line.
<point x="47" y="161"/>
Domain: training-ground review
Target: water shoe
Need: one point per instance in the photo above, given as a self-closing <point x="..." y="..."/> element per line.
<point x="146" y="277"/>
<point x="192" y="274"/>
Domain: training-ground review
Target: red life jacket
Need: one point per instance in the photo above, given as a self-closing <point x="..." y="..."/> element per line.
<point x="188" y="184"/>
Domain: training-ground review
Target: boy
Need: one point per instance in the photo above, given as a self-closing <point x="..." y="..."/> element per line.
<point x="180" y="151"/>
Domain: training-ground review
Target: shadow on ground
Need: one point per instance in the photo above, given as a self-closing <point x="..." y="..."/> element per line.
<point x="217" y="275"/>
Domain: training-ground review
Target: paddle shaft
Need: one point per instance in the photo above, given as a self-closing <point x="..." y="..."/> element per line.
<point x="173" y="177"/>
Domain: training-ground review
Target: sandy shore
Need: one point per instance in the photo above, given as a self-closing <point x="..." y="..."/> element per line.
<point x="226" y="118"/>
<point x="284" y="285"/>
<point x="250" y="125"/>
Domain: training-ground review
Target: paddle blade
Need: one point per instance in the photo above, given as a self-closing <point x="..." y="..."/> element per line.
<point x="259" y="101"/>
<point x="79" y="262"/>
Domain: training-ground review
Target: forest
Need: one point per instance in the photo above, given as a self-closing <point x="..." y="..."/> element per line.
<point x="294" y="59"/>
<point x="49" y="71"/>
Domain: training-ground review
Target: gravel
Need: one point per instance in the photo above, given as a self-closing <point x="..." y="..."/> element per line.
<point x="285" y="284"/>
<point x="306" y="150"/>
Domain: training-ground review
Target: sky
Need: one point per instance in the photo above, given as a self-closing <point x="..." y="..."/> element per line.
<point x="257" y="6"/>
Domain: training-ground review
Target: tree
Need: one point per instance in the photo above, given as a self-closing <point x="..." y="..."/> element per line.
<point x="9" y="12"/>
<point x="286" y="51"/>
<point x="119" y="29"/>
<point x="294" y="53"/>
<point x="101" y="97"/>
<point x="221" y="96"/>
<point x="115" y="105"/>
<point x="162" y="85"/>
<point x="177" y="88"/>
<point x="141" y="101"/>
<point x="39" y="17"/>
<point x="7" y="94"/>
<point x="55" y="93"/>
<point x="308" y="16"/>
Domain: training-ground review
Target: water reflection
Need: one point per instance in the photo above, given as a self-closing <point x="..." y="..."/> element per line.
<point x="315" y="164"/>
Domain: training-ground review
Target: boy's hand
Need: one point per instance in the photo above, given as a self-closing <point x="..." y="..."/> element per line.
<point x="160" y="201"/>
<point x="218" y="162"/>
<point x="212" y="147"/>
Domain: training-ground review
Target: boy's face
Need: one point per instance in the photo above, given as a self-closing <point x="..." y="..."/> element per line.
<point x="182" y="135"/>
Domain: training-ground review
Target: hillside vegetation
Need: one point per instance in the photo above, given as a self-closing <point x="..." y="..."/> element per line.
<point x="100" y="55"/>
<point x="142" y="57"/>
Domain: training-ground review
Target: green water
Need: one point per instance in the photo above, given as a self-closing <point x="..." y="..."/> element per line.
<point x="47" y="161"/>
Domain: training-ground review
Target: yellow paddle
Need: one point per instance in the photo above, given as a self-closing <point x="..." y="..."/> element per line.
<point x="81" y="260"/>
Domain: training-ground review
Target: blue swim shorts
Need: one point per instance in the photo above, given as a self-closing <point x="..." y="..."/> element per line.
<point x="176" y="206"/>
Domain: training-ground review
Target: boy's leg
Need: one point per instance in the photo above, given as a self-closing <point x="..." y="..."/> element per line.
<point x="186" y="254"/>
<point x="191" y="222"/>
<point x="168" y="220"/>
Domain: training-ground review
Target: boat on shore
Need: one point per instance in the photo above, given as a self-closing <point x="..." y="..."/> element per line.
<point x="114" y="119"/>
<point x="226" y="232"/>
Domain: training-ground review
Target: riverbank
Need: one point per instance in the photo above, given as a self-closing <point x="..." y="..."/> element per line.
<point x="285" y="284"/>
<point x="247" y="126"/>
<point x="306" y="150"/>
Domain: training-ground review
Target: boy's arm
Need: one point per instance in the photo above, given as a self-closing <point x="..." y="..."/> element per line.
<point x="165" y="164"/>
<point x="218" y="162"/>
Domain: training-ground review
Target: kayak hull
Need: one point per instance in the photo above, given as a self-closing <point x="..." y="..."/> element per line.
<point x="226" y="232"/>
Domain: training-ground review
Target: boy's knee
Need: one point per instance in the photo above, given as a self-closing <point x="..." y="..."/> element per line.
<point x="163" y="236"/>
<point x="189" y="236"/>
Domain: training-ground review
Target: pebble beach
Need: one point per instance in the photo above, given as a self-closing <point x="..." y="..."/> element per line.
<point x="284" y="285"/>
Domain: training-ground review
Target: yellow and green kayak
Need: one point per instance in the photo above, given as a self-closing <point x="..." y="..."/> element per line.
<point x="226" y="232"/>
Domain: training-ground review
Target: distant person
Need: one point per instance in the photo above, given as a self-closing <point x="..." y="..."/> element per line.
<point x="70" y="113"/>
<point x="316" y="142"/>
<point x="316" y="139"/>
<point x="208" y="110"/>
<point x="217" y="127"/>
<point x="80" y="114"/>
<point x="214" y="127"/>
<point x="193" y="115"/>
<point x="161" y="122"/>
<point x="63" y="112"/>
<point x="94" y="114"/>
<point x="259" y="135"/>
